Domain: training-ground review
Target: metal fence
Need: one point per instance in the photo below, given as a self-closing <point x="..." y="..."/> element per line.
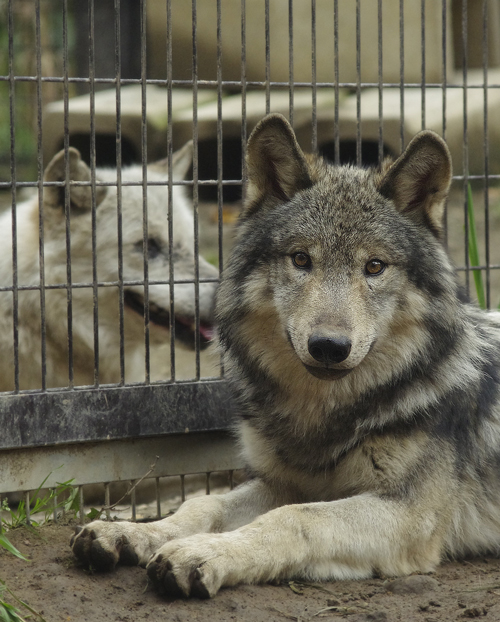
<point x="129" y="82"/>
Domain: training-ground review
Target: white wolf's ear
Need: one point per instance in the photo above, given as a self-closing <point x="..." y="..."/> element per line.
<point x="181" y="162"/>
<point x="419" y="180"/>
<point x="80" y="196"/>
<point x="276" y="165"/>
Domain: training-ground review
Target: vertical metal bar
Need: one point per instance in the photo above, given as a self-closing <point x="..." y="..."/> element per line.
<point x="183" y="489"/>
<point x="54" y="505"/>
<point x="43" y="331"/>
<point x="145" y="228"/>
<point x="158" y="501"/>
<point x="465" y="145"/>
<point x="444" y="18"/>
<point x="220" y="189"/>
<point x="170" y="218"/>
<point x="63" y="507"/>
<point x="107" y="500"/>
<point x="402" y="72"/>
<point x="207" y="483"/>
<point x="81" y="504"/>
<point x="95" y="286"/>
<point x="27" y="508"/>
<point x="380" y="86"/>
<point x="119" y="211"/>
<point x="486" y="151"/>
<point x="444" y="14"/>
<point x="423" y="76"/>
<point x="195" y="194"/>
<point x="133" y="502"/>
<point x="336" y="138"/>
<point x="13" y="179"/>
<point x="358" y="83"/>
<point x="219" y="117"/>
<point x="243" y="99"/>
<point x="243" y="142"/>
<point x="268" y="58"/>
<point x="314" y="119"/>
<point x="67" y="197"/>
<point x="290" y="61"/>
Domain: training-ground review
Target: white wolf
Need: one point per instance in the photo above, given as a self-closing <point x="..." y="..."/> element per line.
<point x="44" y="320"/>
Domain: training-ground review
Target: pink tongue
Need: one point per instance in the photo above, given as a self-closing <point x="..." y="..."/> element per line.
<point x="206" y="331"/>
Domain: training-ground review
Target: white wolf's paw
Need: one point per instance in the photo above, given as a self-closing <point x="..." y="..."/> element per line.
<point x="194" y="566"/>
<point x="102" y="545"/>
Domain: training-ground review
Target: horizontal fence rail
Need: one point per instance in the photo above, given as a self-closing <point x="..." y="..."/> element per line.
<point x="113" y="413"/>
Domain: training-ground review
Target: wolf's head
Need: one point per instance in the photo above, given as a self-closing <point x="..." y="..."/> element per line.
<point x="336" y="269"/>
<point x="132" y="243"/>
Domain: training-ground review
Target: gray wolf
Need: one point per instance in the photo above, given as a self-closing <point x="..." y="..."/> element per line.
<point x="67" y="215"/>
<point x="368" y="388"/>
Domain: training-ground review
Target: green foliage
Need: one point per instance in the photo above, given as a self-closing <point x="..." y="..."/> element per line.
<point x="43" y="503"/>
<point x="9" y="613"/>
<point x="94" y="514"/>
<point x="4" y="542"/>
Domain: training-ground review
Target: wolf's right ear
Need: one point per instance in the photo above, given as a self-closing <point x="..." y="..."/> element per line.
<point x="80" y="196"/>
<point x="419" y="180"/>
<point x="276" y="165"/>
<point x="181" y="162"/>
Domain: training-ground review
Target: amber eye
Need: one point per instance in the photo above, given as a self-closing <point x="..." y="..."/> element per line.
<point x="374" y="267"/>
<point x="301" y="260"/>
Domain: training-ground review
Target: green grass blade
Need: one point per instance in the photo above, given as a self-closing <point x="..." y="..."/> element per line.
<point x="11" y="548"/>
<point x="474" y="252"/>
<point x="37" y="616"/>
<point x="8" y="613"/>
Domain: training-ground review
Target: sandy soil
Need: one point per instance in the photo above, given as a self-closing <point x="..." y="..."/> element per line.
<point x="55" y="586"/>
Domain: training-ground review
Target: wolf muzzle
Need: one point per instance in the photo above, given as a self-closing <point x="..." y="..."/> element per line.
<point x="329" y="350"/>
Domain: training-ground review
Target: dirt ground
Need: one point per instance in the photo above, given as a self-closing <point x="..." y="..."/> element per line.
<point x="54" y="585"/>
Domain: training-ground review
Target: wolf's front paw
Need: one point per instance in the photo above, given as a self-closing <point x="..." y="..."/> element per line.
<point x="102" y="545"/>
<point x="189" y="567"/>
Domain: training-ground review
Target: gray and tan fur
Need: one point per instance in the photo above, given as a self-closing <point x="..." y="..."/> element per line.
<point x="79" y="245"/>
<point x="369" y="391"/>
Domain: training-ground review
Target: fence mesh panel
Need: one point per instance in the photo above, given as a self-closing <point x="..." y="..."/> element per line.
<point x="109" y="257"/>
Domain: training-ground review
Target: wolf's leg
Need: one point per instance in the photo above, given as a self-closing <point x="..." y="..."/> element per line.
<point x="103" y="544"/>
<point x="345" y="539"/>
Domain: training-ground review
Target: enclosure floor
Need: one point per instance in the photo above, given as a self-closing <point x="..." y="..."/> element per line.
<point x="55" y="586"/>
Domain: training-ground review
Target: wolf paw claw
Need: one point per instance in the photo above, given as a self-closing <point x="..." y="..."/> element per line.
<point x="100" y="554"/>
<point x="198" y="587"/>
<point x="165" y="580"/>
<point x="91" y="552"/>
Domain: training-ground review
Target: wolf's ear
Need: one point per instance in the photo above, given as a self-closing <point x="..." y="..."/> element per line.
<point x="80" y="196"/>
<point x="419" y="180"/>
<point x="276" y="165"/>
<point x="181" y="162"/>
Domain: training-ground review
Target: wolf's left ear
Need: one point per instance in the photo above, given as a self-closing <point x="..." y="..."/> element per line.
<point x="181" y="161"/>
<point x="419" y="180"/>
<point x="276" y="165"/>
<point x="80" y="196"/>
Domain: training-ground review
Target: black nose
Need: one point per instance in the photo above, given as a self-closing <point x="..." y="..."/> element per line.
<point x="329" y="350"/>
